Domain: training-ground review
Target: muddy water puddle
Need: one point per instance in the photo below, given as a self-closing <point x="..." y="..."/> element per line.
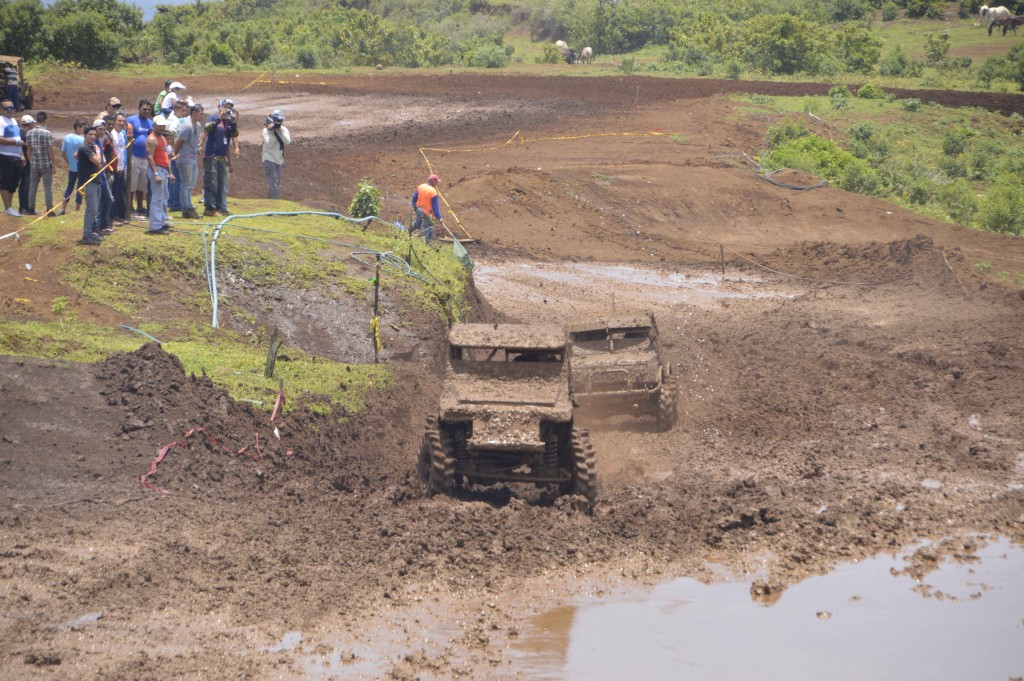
<point x="869" y="620"/>
<point x="592" y="287"/>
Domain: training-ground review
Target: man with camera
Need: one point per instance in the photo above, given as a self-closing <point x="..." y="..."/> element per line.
<point x="275" y="138"/>
<point x="217" y="162"/>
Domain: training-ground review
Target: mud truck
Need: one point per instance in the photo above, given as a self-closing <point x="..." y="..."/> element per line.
<point x="506" y="414"/>
<point x="616" y="367"/>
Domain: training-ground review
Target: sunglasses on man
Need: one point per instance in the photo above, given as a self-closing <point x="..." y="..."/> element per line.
<point x="115" y="106"/>
<point x="8" y="108"/>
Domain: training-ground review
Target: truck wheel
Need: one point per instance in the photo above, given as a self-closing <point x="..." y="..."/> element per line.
<point x="437" y="456"/>
<point x="584" y="471"/>
<point x="668" y="404"/>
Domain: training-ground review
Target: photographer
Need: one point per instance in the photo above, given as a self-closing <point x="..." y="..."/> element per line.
<point x="275" y="138"/>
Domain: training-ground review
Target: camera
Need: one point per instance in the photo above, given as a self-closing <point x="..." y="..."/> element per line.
<point x="273" y="121"/>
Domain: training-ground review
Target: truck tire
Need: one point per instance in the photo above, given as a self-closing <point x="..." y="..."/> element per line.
<point x="584" y="467"/>
<point x="668" y="404"/>
<point x="439" y="450"/>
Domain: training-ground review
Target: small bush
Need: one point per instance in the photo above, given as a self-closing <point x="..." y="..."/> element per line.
<point x="628" y="64"/>
<point x="840" y="97"/>
<point x="959" y="201"/>
<point x="870" y="91"/>
<point x="488" y="57"/>
<point x="889" y="10"/>
<point x="733" y="70"/>
<point x="1003" y="209"/>
<point x="305" y="58"/>
<point x="911" y="104"/>
<point x="366" y="201"/>
<point x="551" y="55"/>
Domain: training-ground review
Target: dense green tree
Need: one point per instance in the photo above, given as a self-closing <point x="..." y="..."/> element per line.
<point x="84" y="37"/>
<point x="783" y="44"/>
<point x="21" y="28"/>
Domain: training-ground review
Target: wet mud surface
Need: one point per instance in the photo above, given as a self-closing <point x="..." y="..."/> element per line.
<point x="850" y="385"/>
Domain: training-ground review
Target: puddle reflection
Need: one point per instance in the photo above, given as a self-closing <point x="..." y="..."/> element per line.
<point x="862" y="621"/>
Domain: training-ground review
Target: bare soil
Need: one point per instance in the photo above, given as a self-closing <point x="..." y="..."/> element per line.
<point x="860" y="391"/>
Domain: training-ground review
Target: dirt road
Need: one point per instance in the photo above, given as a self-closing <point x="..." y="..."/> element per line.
<point x="852" y="384"/>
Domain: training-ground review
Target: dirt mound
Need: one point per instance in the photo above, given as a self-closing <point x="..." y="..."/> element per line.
<point x="913" y="259"/>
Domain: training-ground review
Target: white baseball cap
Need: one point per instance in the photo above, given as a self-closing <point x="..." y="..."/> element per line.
<point x="176" y="86"/>
<point x="26" y="119"/>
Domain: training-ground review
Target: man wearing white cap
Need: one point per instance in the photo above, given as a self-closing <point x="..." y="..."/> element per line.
<point x="158" y="155"/>
<point x="174" y="92"/>
<point x="275" y="138"/>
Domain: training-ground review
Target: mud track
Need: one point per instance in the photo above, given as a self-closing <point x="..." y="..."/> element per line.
<point x="851" y="384"/>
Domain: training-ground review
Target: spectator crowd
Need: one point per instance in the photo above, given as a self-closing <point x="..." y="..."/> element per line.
<point x="143" y="166"/>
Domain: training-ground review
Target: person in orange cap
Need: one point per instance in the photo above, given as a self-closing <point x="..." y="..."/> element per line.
<point x="427" y="205"/>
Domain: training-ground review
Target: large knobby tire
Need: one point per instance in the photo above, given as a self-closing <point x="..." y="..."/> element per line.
<point x="584" y="467"/>
<point x="437" y="456"/>
<point x="668" y="404"/>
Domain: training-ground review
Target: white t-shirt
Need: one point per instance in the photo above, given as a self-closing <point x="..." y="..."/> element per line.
<point x="120" y="142"/>
<point x="9" y="128"/>
<point x="168" y="101"/>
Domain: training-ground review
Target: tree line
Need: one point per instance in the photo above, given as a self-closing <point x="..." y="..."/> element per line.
<point x="823" y="37"/>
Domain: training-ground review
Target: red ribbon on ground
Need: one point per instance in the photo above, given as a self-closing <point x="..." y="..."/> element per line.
<point x="183" y="442"/>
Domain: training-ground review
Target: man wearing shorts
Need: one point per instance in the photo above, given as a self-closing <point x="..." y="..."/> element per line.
<point x="11" y="156"/>
<point x="139" y="127"/>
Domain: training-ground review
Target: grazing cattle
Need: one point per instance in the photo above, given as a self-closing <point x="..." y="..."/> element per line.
<point x="587" y="55"/>
<point x="566" y="52"/>
<point x="993" y="16"/>
<point x="1012" y="23"/>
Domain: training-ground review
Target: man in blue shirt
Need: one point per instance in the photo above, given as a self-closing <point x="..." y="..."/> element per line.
<point x="139" y="127"/>
<point x="217" y="163"/>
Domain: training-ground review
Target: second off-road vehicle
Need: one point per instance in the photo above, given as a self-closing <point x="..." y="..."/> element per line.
<point x="616" y="367"/>
<point x="506" y="414"/>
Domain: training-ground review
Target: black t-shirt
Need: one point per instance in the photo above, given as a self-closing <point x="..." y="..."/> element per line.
<point x="86" y="168"/>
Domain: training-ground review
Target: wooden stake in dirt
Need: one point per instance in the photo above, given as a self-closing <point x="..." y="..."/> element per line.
<point x="721" y="257"/>
<point x="275" y="345"/>
<point x="375" y="326"/>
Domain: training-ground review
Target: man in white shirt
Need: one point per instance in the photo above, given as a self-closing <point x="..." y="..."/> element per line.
<point x="275" y="138"/>
<point x="11" y="156"/>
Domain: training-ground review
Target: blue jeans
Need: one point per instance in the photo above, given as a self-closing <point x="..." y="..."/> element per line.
<point x="424" y="222"/>
<point x="158" y="203"/>
<point x="92" y="207"/>
<point x="189" y="172"/>
<point x="215" y="183"/>
<point x="117" y="188"/>
<point x="14" y="94"/>
<point x="105" y="201"/>
<point x="173" y="196"/>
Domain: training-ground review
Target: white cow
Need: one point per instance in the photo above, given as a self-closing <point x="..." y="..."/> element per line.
<point x="587" y="55"/>
<point x="566" y="52"/>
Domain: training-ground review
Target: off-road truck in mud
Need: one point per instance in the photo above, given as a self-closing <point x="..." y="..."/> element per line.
<point x="616" y="367"/>
<point x="506" y="414"/>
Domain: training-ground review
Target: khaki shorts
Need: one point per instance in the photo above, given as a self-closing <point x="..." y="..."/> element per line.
<point x="137" y="181"/>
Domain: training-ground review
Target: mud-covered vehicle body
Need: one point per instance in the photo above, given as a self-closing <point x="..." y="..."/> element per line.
<point x="506" y="414"/>
<point x="616" y="367"/>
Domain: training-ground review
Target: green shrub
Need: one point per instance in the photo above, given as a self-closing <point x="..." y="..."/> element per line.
<point x="305" y="58"/>
<point x="936" y="47"/>
<point x="628" y="64"/>
<point x="889" y="10"/>
<point x="857" y="48"/>
<point x="870" y="91"/>
<point x="733" y="70"/>
<point x="959" y="201"/>
<point x="993" y="68"/>
<point x="366" y="201"/>
<point x="551" y="55"/>
<point x="487" y="56"/>
<point x="840" y="97"/>
<point x="924" y="8"/>
<point x="911" y="104"/>
<point x="1003" y="209"/>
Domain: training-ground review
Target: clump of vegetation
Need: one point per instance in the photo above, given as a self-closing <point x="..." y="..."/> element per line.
<point x="366" y="201"/>
<point x="840" y="97"/>
<point x="870" y="91"/>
